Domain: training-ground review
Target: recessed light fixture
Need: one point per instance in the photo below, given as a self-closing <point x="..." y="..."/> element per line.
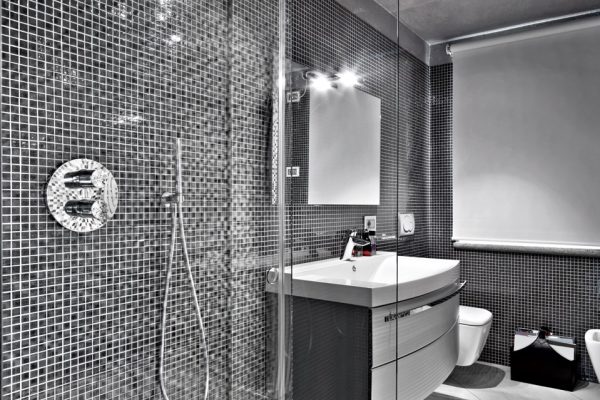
<point x="348" y="78"/>
<point x="175" y="38"/>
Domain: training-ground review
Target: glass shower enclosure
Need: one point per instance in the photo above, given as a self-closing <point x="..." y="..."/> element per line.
<point x="117" y="83"/>
<point x="245" y="87"/>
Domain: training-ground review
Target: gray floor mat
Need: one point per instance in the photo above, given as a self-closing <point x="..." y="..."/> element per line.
<point x="477" y="376"/>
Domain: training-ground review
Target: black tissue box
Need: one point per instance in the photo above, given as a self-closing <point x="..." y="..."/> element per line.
<point x="541" y="358"/>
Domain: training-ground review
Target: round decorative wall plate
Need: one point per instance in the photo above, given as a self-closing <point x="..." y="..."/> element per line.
<point x="82" y="195"/>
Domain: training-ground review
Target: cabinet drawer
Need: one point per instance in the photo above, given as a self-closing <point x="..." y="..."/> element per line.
<point x="384" y="334"/>
<point x="383" y="382"/>
<point x="397" y="332"/>
<point x="419" y="373"/>
<point x="426" y="325"/>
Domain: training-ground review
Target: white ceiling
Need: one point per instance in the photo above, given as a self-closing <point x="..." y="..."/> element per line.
<point x="440" y="20"/>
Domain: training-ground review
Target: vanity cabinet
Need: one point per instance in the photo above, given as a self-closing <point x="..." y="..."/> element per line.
<point x="343" y="351"/>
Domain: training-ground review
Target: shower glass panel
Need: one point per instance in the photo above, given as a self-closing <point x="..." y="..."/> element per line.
<point x="342" y="137"/>
<point x="119" y="82"/>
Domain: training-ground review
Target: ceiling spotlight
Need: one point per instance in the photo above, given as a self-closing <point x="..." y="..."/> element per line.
<point x="175" y="38"/>
<point x="320" y="82"/>
<point x="348" y="79"/>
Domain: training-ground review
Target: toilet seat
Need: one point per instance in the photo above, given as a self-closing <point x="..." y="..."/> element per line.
<point x="474" y="328"/>
<point x="473" y="316"/>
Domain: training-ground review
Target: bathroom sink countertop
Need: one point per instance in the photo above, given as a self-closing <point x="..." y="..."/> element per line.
<point x="370" y="281"/>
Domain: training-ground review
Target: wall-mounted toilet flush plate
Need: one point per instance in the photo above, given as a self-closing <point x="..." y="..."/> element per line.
<point x="82" y="195"/>
<point x="407" y="224"/>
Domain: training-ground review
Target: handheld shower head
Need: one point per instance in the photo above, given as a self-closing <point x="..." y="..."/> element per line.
<point x="178" y="167"/>
<point x="169" y="198"/>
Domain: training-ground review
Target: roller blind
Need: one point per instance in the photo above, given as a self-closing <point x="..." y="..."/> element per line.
<point x="526" y="149"/>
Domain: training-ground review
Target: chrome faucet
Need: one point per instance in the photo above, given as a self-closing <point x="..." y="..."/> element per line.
<point x="349" y="242"/>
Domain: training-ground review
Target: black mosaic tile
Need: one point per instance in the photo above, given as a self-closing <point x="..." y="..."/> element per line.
<point x="254" y="220"/>
<point x="117" y="82"/>
<point x="107" y="80"/>
<point x="326" y="37"/>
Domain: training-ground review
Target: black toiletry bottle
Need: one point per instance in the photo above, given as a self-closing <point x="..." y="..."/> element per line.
<point x="367" y="250"/>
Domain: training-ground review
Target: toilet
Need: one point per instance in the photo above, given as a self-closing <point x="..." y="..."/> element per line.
<point x="592" y="342"/>
<point x="474" y="327"/>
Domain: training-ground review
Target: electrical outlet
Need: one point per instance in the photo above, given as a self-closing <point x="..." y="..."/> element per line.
<point x="292" y="172"/>
<point x="370" y="223"/>
<point x="407" y="224"/>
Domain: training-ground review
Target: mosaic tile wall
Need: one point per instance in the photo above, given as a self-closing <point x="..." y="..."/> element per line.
<point x="326" y="37"/>
<point x="117" y="81"/>
<point x="254" y="219"/>
<point x="521" y="290"/>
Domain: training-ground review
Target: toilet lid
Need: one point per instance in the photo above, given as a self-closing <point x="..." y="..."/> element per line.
<point x="473" y="316"/>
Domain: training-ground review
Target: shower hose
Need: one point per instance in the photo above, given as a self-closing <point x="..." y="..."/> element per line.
<point x="177" y="222"/>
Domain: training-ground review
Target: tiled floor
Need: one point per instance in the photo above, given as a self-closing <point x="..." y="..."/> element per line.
<point x="484" y="381"/>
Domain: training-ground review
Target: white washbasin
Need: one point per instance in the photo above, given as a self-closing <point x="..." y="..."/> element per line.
<point x="369" y="281"/>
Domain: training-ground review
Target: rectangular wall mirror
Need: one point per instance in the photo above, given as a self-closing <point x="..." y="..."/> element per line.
<point x="344" y="147"/>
